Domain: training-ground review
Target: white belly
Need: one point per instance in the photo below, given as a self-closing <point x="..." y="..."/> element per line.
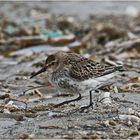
<point x="82" y="86"/>
<point x="95" y="82"/>
<point x="105" y="77"/>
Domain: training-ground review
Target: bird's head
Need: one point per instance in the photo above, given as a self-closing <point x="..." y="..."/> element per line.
<point x="52" y="63"/>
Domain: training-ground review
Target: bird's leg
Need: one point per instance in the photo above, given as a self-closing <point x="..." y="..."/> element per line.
<point x="90" y="99"/>
<point x="90" y="102"/>
<point x="69" y="101"/>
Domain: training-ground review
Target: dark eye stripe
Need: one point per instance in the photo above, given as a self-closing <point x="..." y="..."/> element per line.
<point x="52" y="63"/>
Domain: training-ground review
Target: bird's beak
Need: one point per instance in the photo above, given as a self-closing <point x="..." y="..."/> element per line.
<point x="39" y="72"/>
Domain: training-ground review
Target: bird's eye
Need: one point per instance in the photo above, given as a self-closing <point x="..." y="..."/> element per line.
<point x="52" y="63"/>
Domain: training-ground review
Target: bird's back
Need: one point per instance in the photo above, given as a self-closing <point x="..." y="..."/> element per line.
<point x="81" y="68"/>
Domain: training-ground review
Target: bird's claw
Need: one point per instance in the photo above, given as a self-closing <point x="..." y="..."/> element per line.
<point x="82" y="108"/>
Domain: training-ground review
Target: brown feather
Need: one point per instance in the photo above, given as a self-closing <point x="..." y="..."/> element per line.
<point x="81" y="68"/>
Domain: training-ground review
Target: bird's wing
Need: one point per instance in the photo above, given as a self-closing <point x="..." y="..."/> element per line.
<point x="83" y="69"/>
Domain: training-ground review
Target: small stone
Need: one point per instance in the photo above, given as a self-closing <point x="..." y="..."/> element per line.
<point x="106" y="123"/>
<point x="111" y="122"/>
<point x="23" y="136"/>
<point x="92" y="135"/>
<point x="116" y="89"/>
<point x="67" y="137"/>
<point x="134" y="133"/>
<point x="129" y="123"/>
<point x="32" y="136"/>
<point x="15" y="104"/>
<point x="4" y="95"/>
<point x="131" y="111"/>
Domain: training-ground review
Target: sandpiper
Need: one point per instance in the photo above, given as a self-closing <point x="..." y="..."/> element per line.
<point x="72" y="73"/>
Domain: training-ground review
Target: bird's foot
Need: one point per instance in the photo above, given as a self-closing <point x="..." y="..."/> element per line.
<point x="68" y="101"/>
<point x="82" y="108"/>
<point x="85" y="107"/>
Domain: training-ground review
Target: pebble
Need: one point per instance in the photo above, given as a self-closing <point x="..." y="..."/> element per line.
<point x="92" y="135"/>
<point x="111" y="122"/>
<point x="135" y="133"/>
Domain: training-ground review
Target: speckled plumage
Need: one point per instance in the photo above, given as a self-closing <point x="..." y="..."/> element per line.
<point x="70" y="72"/>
